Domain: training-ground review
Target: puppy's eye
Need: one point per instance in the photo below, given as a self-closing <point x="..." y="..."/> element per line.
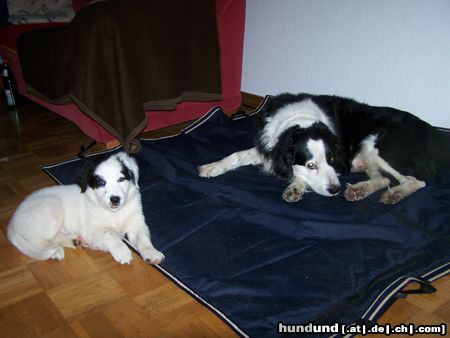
<point x="99" y="183"/>
<point x="331" y="159"/>
<point x="121" y="179"/>
<point x="311" y="166"/>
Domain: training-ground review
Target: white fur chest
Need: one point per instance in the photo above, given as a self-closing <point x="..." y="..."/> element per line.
<point x="115" y="220"/>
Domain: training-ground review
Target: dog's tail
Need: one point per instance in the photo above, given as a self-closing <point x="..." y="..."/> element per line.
<point x="41" y="249"/>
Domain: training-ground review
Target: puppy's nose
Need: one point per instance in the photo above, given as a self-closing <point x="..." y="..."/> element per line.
<point x="115" y="200"/>
<point x="334" y="189"/>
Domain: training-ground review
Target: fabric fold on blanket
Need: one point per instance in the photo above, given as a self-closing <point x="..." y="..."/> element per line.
<point x="117" y="59"/>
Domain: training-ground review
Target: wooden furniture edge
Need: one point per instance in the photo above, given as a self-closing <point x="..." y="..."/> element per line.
<point x="251" y="100"/>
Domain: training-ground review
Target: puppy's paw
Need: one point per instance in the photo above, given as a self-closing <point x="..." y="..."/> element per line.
<point x="58" y="253"/>
<point x="354" y="193"/>
<point x="122" y="254"/>
<point x="152" y="256"/>
<point x="210" y="170"/>
<point x="292" y="194"/>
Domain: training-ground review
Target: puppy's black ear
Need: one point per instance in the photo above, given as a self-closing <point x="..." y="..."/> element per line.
<point x="128" y="173"/>
<point x="133" y="177"/>
<point x="131" y="165"/>
<point x="283" y="154"/>
<point x="85" y="174"/>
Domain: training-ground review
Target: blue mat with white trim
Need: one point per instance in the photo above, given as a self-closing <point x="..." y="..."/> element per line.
<point x="261" y="263"/>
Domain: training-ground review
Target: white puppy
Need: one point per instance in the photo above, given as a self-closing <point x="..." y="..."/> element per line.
<point x="97" y="213"/>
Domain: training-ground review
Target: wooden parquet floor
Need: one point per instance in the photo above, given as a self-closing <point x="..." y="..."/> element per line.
<point x="88" y="294"/>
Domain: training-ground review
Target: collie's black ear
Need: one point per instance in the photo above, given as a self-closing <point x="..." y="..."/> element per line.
<point x="85" y="174"/>
<point x="283" y="154"/>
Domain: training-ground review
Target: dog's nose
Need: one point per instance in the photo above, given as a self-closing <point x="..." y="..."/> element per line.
<point x="334" y="189"/>
<point x="115" y="200"/>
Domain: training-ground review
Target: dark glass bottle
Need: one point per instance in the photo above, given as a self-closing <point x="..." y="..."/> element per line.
<point x="8" y="84"/>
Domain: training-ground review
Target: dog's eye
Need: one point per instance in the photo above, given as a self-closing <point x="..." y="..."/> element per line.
<point x="99" y="183"/>
<point x="331" y="159"/>
<point x="311" y="166"/>
<point x="121" y="179"/>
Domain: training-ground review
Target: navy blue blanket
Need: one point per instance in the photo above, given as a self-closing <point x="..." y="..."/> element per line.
<point x="260" y="262"/>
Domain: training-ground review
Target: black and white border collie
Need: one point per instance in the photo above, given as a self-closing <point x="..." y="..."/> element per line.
<point x="97" y="212"/>
<point x="312" y="139"/>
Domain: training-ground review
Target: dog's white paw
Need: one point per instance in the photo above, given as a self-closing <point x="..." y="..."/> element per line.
<point x="355" y="193"/>
<point x="210" y="170"/>
<point x="122" y="254"/>
<point x="152" y="256"/>
<point x="391" y="197"/>
<point x="292" y="193"/>
<point x="58" y="253"/>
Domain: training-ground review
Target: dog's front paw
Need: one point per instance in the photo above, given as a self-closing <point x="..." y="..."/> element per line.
<point x="292" y="194"/>
<point x="122" y="254"/>
<point x="354" y="193"/>
<point x="152" y="256"/>
<point x="391" y="197"/>
<point x="210" y="170"/>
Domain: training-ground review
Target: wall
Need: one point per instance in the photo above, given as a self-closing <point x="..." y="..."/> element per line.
<point x="382" y="52"/>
